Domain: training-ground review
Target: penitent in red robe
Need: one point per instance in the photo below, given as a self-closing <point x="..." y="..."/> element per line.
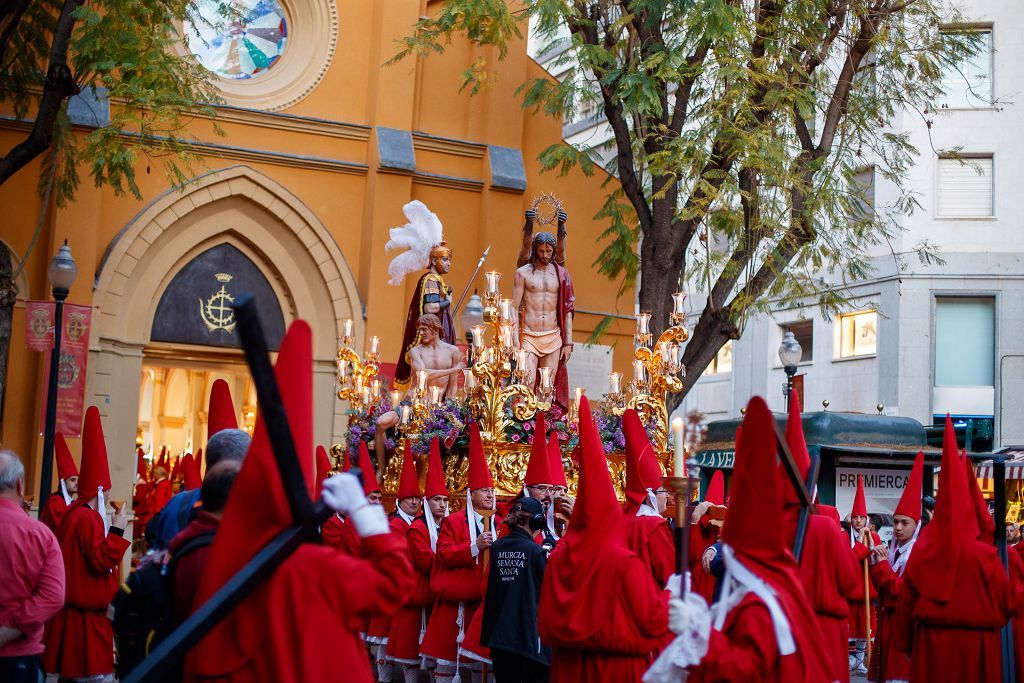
<point x="456" y="579"/>
<point x="380" y="626"/>
<point x="957" y="640"/>
<point x="53" y="511"/>
<point x="887" y="663"/>
<point x="858" y="621"/>
<point x="80" y="639"/>
<point x="317" y="640"/>
<point x="337" y="533"/>
<point x="411" y="620"/>
<point x="651" y="539"/>
<point x="829" y="576"/>
<point x="703" y="535"/>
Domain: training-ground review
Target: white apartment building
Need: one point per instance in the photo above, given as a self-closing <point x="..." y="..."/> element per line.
<point x="922" y="340"/>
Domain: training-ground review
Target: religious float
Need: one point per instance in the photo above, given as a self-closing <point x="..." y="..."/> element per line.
<point x="495" y="391"/>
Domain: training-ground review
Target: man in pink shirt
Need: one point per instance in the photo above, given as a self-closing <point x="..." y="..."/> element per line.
<point x="31" y="578"/>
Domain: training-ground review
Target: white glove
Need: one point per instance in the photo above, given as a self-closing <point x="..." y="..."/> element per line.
<point x="689" y="615"/>
<point x="343" y="493"/>
<point x="691" y="619"/>
<point x="676" y="582"/>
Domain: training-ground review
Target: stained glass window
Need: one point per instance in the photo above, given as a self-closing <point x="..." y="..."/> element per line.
<point x="238" y="39"/>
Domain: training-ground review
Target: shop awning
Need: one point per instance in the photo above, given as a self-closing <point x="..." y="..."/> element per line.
<point x="1014" y="466"/>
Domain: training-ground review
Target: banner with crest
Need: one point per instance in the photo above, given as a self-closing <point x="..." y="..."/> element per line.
<point x="74" y="354"/>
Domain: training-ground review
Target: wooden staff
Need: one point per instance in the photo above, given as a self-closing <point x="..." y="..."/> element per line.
<point x="488" y="517"/>
<point x="865" y="538"/>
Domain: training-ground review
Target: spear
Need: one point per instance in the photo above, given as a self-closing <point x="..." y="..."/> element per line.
<point x="479" y="265"/>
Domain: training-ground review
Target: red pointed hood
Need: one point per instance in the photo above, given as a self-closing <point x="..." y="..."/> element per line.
<point x="370" y="481"/>
<point x="555" y="466"/>
<point x="910" y="501"/>
<point x="716" y="489"/>
<point x="190" y="471"/>
<point x="860" y="506"/>
<point x="642" y="469"/>
<point x="95" y="471"/>
<point x="797" y="447"/>
<point x="222" y="411"/>
<point x="581" y="572"/>
<point x="65" y="462"/>
<point x="409" y="484"/>
<point x="257" y="510"/>
<point x="479" y="475"/>
<point x="755" y="497"/>
<point x="140" y="464"/>
<point x="986" y="525"/>
<point x="538" y="471"/>
<point x="323" y="467"/>
<point x="954" y="524"/>
<point x="435" y="485"/>
<point x="162" y="460"/>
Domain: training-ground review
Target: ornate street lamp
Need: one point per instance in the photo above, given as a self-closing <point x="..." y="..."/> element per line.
<point x="61" y="273"/>
<point x="472" y="316"/>
<point x="790" y="353"/>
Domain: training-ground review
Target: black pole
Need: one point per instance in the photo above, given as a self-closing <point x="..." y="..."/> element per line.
<point x="999" y="491"/>
<point x="46" y="473"/>
<point x="805" y="510"/>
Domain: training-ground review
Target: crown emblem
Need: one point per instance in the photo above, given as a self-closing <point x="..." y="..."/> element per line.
<point x="223" y="277"/>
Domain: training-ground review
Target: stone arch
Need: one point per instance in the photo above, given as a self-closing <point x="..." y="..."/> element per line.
<point x="273" y="227"/>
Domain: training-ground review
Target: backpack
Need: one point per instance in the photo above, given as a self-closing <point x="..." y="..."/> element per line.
<point x="142" y="606"/>
<point x="179" y="512"/>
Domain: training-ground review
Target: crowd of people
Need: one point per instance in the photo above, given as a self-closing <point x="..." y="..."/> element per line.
<point x="543" y="587"/>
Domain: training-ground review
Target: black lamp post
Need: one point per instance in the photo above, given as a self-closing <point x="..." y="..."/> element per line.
<point x="790" y="353"/>
<point x="61" y="273"/>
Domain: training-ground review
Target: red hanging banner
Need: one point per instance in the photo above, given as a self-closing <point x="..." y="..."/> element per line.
<point x="74" y="355"/>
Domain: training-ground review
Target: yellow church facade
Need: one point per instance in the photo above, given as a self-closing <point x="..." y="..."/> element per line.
<point x="324" y="145"/>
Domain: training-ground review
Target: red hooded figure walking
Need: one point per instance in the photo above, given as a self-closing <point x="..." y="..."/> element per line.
<point x="80" y="639"/>
<point x="762" y="628"/>
<point x="302" y="621"/>
<point x="648" y="534"/>
<point x="601" y="610"/>
<point x="861" y="541"/>
<point x="59" y="501"/>
<point x="955" y="595"/>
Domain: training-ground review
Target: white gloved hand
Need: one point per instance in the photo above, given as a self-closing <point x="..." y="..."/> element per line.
<point x="689" y="614"/>
<point x="676" y="583"/>
<point x="343" y="493"/>
<point x="691" y="619"/>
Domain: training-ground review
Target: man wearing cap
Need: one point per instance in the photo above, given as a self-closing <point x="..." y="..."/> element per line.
<point x="58" y="502"/>
<point x="887" y="574"/>
<point x="509" y="611"/>
<point x="862" y="540"/>
<point x="601" y="611"/>
<point x="648" y="533"/>
<point x="457" y="578"/>
<point x="80" y="640"/>
<point x="762" y="628"/>
<point x="955" y="595"/>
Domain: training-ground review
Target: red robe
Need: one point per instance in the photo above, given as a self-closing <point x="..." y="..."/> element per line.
<point x="53" y="511"/>
<point x="566" y="307"/>
<point x="957" y="640"/>
<point x="829" y="576"/>
<point x="80" y="639"/>
<point x="651" y="539"/>
<point x="455" y="579"/>
<point x="337" y="533"/>
<point x="307" y="616"/>
<point x="157" y="495"/>
<point x="380" y="625"/>
<point x="403" y="368"/>
<point x="703" y="535"/>
<point x="857" y="620"/>
<point x="411" y="620"/>
<point x="620" y="648"/>
<point x="886" y="662"/>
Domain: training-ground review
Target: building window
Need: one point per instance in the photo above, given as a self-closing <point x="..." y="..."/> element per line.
<point x="968" y="84"/>
<point x="862" y="193"/>
<point x="803" y="330"/>
<point x="858" y="334"/>
<point x="965" y="187"/>
<point x="722" y="362"/>
<point x="237" y="47"/>
<point x="964" y="341"/>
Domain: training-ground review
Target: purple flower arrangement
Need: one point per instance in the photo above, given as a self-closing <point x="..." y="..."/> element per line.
<point x="362" y="426"/>
<point x="555" y="418"/>
<point x="447" y="421"/>
<point x="609" y="427"/>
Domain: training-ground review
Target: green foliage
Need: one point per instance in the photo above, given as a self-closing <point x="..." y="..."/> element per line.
<point x="745" y="125"/>
<point x="129" y="47"/>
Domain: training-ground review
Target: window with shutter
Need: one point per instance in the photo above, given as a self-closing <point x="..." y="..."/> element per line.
<point x="964" y="188"/>
<point x="968" y="84"/>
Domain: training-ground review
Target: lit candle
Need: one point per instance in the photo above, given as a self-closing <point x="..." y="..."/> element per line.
<point x="643" y="323"/>
<point x="366" y="395"/>
<point x="614" y="382"/>
<point x="478" y="336"/>
<point x="347" y="328"/>
<point x="493" y="277"/>
<point x="470" y="378"/>
<point x="406" y="410"/>
<point x="639" y="371"/>
<point x="521" y="360"/>
<point x="678" y="300"/>
<point x="506" y="310"/>
<point x="579" y="395"/>
<point x="421" y="380"/>
<point x="545" y="379"/>
<point x="375" y="389"/>
<point x="506" y="336"/>
<point x="343" y="369"/>
<point x="374" y="344"/>
<point x="396" y="398"/>
<point x="359" y="384"/>
<point x="435" y="395"/>
<point x="677" y="433"/>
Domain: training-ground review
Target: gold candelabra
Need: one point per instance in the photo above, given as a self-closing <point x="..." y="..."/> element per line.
<point x="356" y="377"/>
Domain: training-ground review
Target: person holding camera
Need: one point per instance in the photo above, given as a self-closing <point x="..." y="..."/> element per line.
<point x="513" y="593"/>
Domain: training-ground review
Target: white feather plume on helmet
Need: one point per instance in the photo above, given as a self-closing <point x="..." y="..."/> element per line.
<point x="419" y="236"/>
